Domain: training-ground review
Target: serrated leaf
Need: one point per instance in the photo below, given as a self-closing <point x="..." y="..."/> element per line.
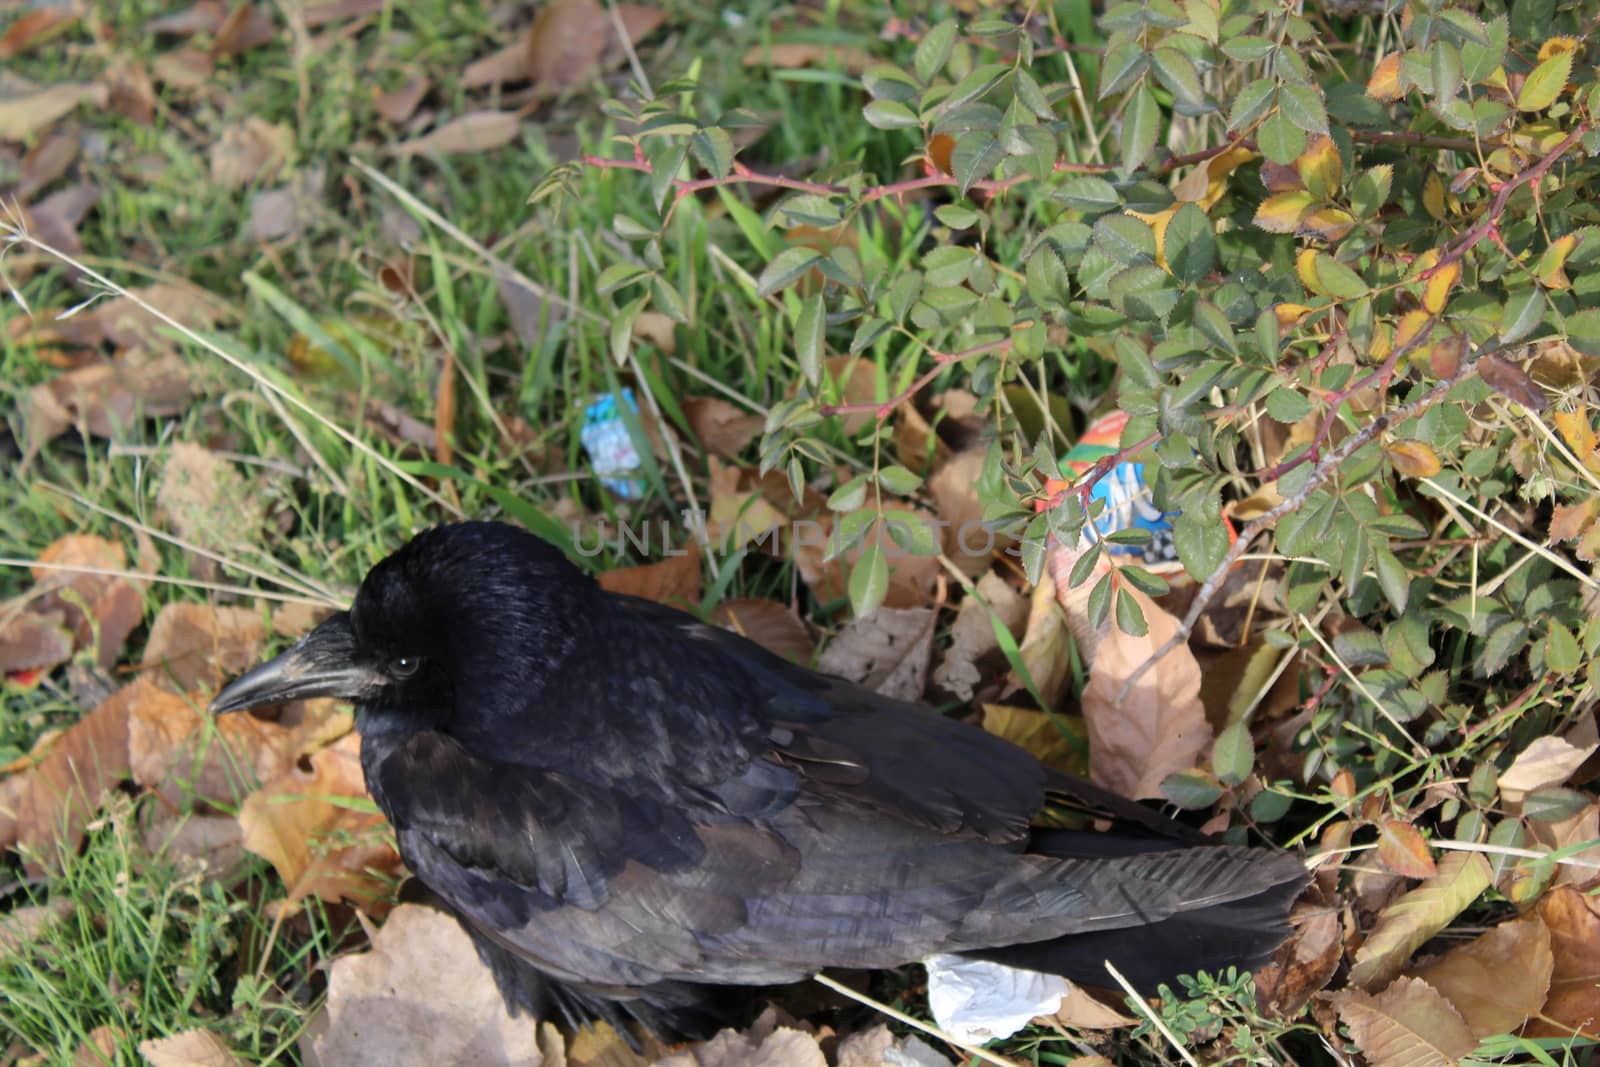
<point x="1176" y="71"/>
<point x="1280" y="139"/>
<point x="1583" y="331"/>
<point x="786" y="268"/>
<point x="1233" y="755"/>
<point x="714" y="149"/>
<point x="1302" y="105"/>
<point x="1337" y="280"/>
<point x="933" y="52"/>
<point x="809" y="328"/>
<point x="1141" y="125"/>
<point x="890" y="115"/>
<point x="1126" y="240"/>
<point x="1408" y="1024"/>
<point x="1545" y="83"/>
<point x="1393" y="577"/>
<point x="1282" y="213"/>
<point x="1189" y="245"/>
<point x="1561" y="651"/>
<point x="898" y="480"/>
<point x="974" y="158"/>
<point x="1089" y="193"/>
<point x="1252" y="103"/>
<point x="1200" y="543"/>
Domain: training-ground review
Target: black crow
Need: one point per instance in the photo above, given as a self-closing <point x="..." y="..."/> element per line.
<point x="626" y="806"/>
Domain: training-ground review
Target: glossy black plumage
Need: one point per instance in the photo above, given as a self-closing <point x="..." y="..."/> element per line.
<point x="615" y="796"/>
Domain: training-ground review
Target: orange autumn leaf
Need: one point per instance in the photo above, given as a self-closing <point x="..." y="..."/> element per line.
<point x="1413" y="459"/>
<point x="1385" y="81"/>
<point x="1437" y="290"/>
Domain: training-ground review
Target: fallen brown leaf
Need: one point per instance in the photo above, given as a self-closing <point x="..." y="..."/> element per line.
<point x="246" y="27"/>
<point x="476" y="131"/>
<point x="400" y="103"/>
<point x="508" y="64"/>
<point x="770" y="625"/>
<point x="186" y="70"/>
<point x="973" y="646"/>
<point x="106" y="397"/>
<point x="674" y="580"/>
<point x="30" y="110"/>
<point x="207" y="501"/>
<point x="54" y="220"/>
<point x="339" y="11"/>
<point x="44" y="163"/>
<point x="573" y="40"/>
<point x="783" y="1047"/>
<point x="1404" y="851"/>
<point x="878" y="1047"/>
<point x="721" y="426"/>
<point x="249" y="152"/>
<point x="127" y="325"/>
<point x="888" y="651"/>
<point x="1573" y="920"/>
<point x="189" y="1048"/>
<point x="321" y="846"/>
<point x="1080" y="1011"/>
<point x="1045" y="650"/>
<point x="196" y="646"/>
<point x="30" y="641"/>
<point x="1161" y="726"/>
<point x="1305" y="963"/>
<point x="204" y="16"/>
<point x="1055" y="741"/>
<point x="1545" y="762"/>
<point x="1472" y="977"/>
<point x="1408" y="1024"/>
<point x="1409" y="922"/>
<point x="422" y="997"/>
<point x="213" y="845"/>
<point x="33" y="28"/>
<point x="97" y="1049"/>
<point x="21" y="927"/>
<point x="953" y="488"/>
<point x="792" y="55"/>
<point x="50" y="803"/>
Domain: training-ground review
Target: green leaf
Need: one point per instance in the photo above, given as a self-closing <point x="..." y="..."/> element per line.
<point x="934" y="50"/>
<point x="974" y="85"/>
<point x="898" y="480"/>
<point x="1126" y="240"/>
<point x="1032" y="97"/>
<point x="890" y="115"/>
<point x="1545" y="83"/>
<point x="1583" y="331"/>
<point x="947" y="265"/>
<point x="957" y="216"/>
<point x="1561" y="651"/>
<point x="1191" y="790"/>
<point x="1176" y="71"/>
<point x="868" y="332"/>
<point x="1141" y="126"/>
<point x="869" y="581"/>
<point x="1089" y="194"/>
<point x="1121" y="68"/>
<point x="1523" y="311"/>
<point x="714" y="149"/>
<point x="785" y="269"/>
<point x="1252" y="103"/>
<point x="1392" y="575"/>
<point x="619" y="276"/>
<point x="1280" y="139"/>
<point x="809" y="329"/>
<point x="1233" y="755"/>
<point x="1288" y="405"/>
<point x="1190" y="244"/>
<point x="974" y="158"/>
<point x="1201" y="544"/>
<point x="1339" y="280"/>
<point x="622" y="328"/>
<point x="1303" y="106"/>
<point x="913" y="533"/>
<point x="849" y="496"/>
<point x="1130" y="616"/>
<point x="1100" y="601"/>
<point x="1214" y="325"/>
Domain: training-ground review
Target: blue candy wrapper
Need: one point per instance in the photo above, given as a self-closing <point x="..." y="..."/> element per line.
<point x="611" y="453"/>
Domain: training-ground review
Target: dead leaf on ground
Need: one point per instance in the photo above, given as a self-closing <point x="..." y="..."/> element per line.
<point x="781" y="1048"/>
<point x="657" y="329"/>
<point x="98" y="1048"/>
<point x="127" y="325"/>
<point x="33" y="28"/>
<point x="320" y="846"/>
<point x="196" y="646"/>
<point x="294" y="619"/>
<point x="31" y="626"/>
<point x="878" y="1047"/>
<point x="133" y="94"/>
<point x="213" y="845"/>
<point x="1409" y="1024"/>
<point x="793" y="55"/>
<point x="505" y="65"/>
<point x="21" y="927"/>
<point x="1054" y="740"/>
<point x="524" y="307"/>
<point x="204" y="16"/>
<point x="52" y="801"/>
<point x="181" y="752"/>
<point x="1161" y="727"/>
<point x="33" y="642"/>
<point x="1080" y="1011"/>
<point x="290" y="209"/>
<point x="207" y="501"/>
<point x="1403" y="850"/>
<point x="28" y="109"/>
<point x="1303" y="965"/>
<point x="339" y="11"/>
<point x="1045" y="651"/>
<point x="973" y="645"/>
<point x="476" y="131"/>
<point x="1573" y="920"/>
<point x="770" y="625"/>
<point x="721" y="426"/>
<point x="246" y="27"/>
<point x="887" y="651"/>
<point x="1576" y="838"/>
<point x="189" y="1048"/>
<point x="422" y="997"/>
<point x="740" y="511"/>
<point x="954" y="488"/>
<point x="187" y="70"/>
<point x="249" y="152"/>
<point x="45" y="162"/>
<point x="55" y="219"/>
<point x="1472" y="977"/>
<point x="674" y="580"/>
<point x="1409" y="922"/>
<point x="1546" y="762"/>
<point x="400" y="103"/>
<point x="573" y="40"/>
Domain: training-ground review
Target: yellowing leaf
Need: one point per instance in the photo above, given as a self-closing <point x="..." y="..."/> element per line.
<point x="1320" y="167"/>
<point x="1472" y="977"/>
<point x="1551" y="270"/>
<point x="1413" y="459"/>
<point x="1411" y="326"/>
<point x="1437" y="290"/>
<point x="1576" y="431"/>
<point x="1556" y="46"/>
<point x="1289" y="315"/>
<point x="1408" y="1024"/>
<point x="1157" y="221"/>
<point x="1206" y="184"/>
<point x="1545" y="83"/>
<point x="1403" y="849"/>
<point x="1409" y="922"/>
<point x="1282" y="213"/>
<point x="1054" y="740"/>
<point x="1328" y="224"/>
<point x="1433" y="195"/>
<point x="1305" y="265"/>
<point x="1385" y="81"/>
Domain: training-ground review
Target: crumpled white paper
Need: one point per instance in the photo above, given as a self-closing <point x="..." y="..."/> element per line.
<point x="976" y="1001"/>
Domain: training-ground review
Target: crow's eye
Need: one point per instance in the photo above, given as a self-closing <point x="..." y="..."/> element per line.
<point x="404" y="666"/>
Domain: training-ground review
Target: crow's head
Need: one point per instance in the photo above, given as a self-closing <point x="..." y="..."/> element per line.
<point x="463" y="619"/>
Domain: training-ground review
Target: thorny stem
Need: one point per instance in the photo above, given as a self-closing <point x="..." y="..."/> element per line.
<point x="1323" y="471"/>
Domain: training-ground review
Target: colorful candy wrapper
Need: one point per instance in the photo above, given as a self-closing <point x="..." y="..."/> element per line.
<point x="610" y="449"/>
<point x="1126" y="495"/>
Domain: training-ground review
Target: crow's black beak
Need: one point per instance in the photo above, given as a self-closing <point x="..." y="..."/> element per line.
<point x="321" y="664"/>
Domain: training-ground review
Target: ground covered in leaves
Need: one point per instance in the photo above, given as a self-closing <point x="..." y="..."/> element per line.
<point x="278" y="297"/>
